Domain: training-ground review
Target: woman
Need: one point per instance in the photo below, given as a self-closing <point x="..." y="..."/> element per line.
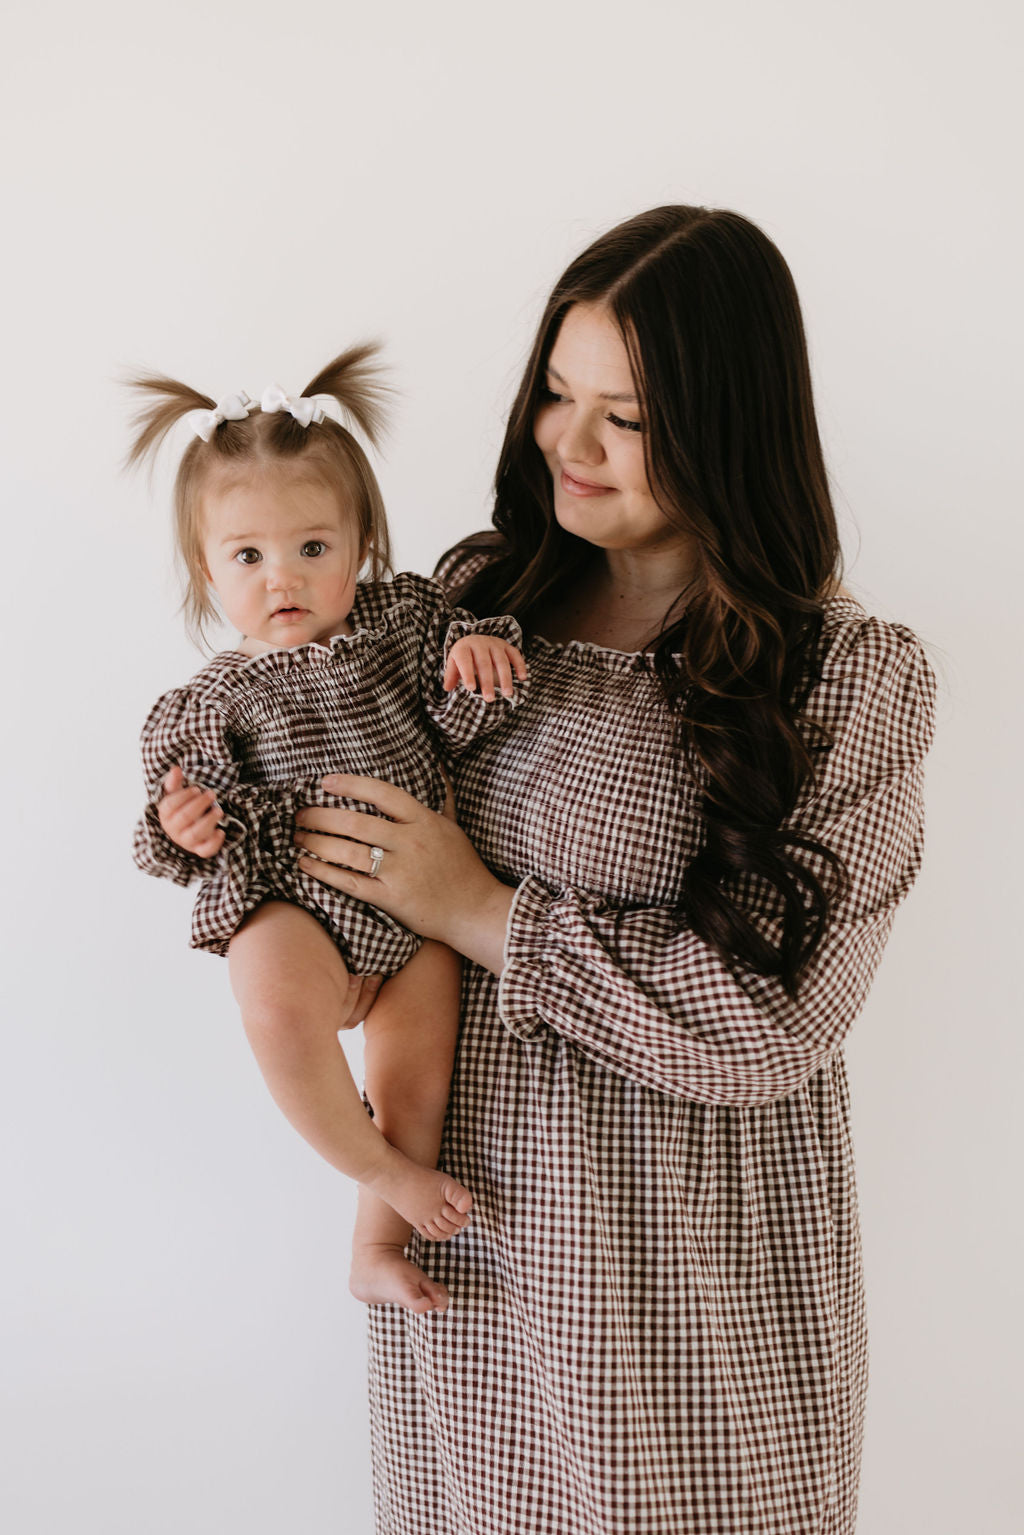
<point x="676" y="870"/>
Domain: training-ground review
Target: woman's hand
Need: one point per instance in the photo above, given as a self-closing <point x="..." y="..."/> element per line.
<point x="429" y="876"/>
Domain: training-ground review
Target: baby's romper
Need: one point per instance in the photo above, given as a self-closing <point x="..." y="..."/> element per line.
<point x="657" y="1323"/>
<point x="261" y="731"/>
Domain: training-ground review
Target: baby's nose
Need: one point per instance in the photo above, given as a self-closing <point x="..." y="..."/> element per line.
<point x="280" y="575"/>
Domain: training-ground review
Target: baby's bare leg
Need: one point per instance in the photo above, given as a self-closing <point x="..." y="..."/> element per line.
<point x="291" y="985"/>
<point x="409" y="1052"/>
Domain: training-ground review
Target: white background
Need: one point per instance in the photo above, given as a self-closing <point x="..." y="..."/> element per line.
<point x="230" y="193"/>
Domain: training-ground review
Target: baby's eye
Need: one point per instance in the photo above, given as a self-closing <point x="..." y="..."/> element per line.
<point x="248" y="556"/>
<point x="312" y="547"/>
<point x="627" y="426"/>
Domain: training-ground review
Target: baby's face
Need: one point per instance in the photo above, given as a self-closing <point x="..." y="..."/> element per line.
<point x="283" y="556"/>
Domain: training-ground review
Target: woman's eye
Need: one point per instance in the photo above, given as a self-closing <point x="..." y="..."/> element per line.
<point x="313" y="547"/>
<point x="248" y="556"/>
<point x="627" y="426"/>
<point x="550" y="397"/>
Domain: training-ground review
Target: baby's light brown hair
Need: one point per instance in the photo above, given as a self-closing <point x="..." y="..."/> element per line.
<point x="237" y="451"/>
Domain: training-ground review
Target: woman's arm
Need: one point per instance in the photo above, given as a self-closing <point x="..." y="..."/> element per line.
<point x="636" y="989"/>
<point x="429" y="878"/>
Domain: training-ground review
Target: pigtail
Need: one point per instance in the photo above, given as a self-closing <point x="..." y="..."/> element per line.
<point x="152" y="423"/>
<point x="355" y="379"/>
<point x="252" y="440"/>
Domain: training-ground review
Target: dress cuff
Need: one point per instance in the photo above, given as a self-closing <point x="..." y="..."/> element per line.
<point x="155" y="853"/>
<point x="461" y="717"/>
<point x="503" y="627"/>
<point x="526" y="973"/>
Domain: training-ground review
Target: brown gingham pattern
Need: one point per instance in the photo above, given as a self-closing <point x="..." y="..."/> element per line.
<point x="657" y="1323"/>
<point x="261" y="731"/>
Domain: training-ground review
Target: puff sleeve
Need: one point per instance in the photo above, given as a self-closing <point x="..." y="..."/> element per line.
<point x="459" y="717"/>
<point x="638" y="992"/>
<point x="187" y="727"/>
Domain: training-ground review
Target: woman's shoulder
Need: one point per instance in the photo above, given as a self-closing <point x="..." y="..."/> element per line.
<point x="407" y="601"/>
<point x="855" y="640"/>
<point x="875" y="675"/>
<point x="464" y="561"/>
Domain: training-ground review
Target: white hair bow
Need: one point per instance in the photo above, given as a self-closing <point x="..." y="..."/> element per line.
<point x="306" y="408"/>
<point x="233" y="407"/>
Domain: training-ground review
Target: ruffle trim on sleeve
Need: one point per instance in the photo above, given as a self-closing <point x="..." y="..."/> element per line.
<point x="155" y="853"/>
<point x="525" y="972"/>
<point x="461" y="716"/>
<point x="503" y="628"/>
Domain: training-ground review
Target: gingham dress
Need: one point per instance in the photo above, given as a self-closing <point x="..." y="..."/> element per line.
<point x="261" y="731"/>
<point x="657" y="1319"/>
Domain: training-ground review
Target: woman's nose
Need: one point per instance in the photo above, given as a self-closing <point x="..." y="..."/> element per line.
<point x="579" y="442"/>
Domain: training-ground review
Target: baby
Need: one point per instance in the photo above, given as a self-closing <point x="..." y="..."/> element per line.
<point x="277" y="513"/>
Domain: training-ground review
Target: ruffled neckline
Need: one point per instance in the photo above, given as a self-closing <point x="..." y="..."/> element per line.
<point x="587" y="653"/>
<point x="379" y="608"/>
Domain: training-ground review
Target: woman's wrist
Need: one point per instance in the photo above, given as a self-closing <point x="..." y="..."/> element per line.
<point x="478" y="929"/>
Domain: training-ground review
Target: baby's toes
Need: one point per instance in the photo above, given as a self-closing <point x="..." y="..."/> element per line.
<point x="456" y="1219"/>
<point x="448" y="1223"/>
<point x="436" y="1295"/>
<point x="458" y="1198"/>
<point x="419" y="1304"/>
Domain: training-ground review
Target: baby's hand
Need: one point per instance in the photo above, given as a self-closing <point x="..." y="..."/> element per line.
<point x="189" y="815"/>
<point x="482" y="660"/>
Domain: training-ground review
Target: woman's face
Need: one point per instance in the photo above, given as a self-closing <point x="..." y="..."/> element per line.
<point x="588" y="428"/>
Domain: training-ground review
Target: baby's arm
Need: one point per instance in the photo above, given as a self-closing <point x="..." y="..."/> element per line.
<point x="483" y="661"/>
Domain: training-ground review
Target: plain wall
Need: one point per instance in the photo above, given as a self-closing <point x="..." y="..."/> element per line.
<point x="230" y="193"/>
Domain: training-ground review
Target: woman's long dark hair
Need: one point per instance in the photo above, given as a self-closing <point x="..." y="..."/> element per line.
<point x="710" y="318"/>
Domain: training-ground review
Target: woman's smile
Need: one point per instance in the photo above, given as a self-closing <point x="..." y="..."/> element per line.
<point x="574" y="486"/>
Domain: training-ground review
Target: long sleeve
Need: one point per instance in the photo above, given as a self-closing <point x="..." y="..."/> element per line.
<point x="459" y="717"/>
<point x="637" y="991"/>
<point x="188" y="728"/>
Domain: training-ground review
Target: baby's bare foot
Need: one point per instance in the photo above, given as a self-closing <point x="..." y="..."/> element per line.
<point x="382" y="1275"/>
<point x="431" y="1201"/>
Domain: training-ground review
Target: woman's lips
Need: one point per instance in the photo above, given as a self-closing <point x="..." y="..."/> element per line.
<point x="574" y="487"/>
